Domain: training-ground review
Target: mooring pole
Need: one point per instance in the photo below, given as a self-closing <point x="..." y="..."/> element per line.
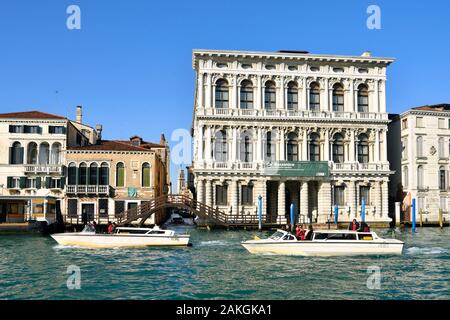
<point x="413" y="215"/>
<point x="259" y="212"/>
<point x="441" y="213"/>
<point x="336" y="215"/>
<point x="292" y="217"/>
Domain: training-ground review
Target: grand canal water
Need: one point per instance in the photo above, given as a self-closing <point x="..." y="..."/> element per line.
<point x="217" y="267"/>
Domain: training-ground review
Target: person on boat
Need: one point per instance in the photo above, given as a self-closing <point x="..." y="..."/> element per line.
<point x="309" y="233"/>
<point x="354" y="225"/>
<point x="110" y="227"/>
<point x="364" y="227"/>
<point x="300" y="232"/>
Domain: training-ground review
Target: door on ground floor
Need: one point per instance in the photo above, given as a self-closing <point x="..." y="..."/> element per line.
<point x="313" y="199"/>
<point x="2" y="212"/>
<point x="87" y="212"/>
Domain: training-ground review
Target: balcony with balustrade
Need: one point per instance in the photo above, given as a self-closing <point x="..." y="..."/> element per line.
<point x="294" y="114"/>
<point x="44" y="169"/>
<point x="87" y="189"/>
<point x="358" y="167"/>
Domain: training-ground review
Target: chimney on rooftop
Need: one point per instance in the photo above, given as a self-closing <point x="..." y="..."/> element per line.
<point x="79" y="115"/>
<point x="99" y="129"/>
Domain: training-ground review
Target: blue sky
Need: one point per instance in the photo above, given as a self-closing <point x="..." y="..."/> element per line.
<point x="130" y="64"/>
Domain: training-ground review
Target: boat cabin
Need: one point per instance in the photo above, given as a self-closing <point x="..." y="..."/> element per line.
<point x="325" y="235"/>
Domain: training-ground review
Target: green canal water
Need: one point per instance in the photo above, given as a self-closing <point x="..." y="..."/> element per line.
<point x="217" y="267"/>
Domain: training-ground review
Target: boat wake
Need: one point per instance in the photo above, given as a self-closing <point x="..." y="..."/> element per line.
<point x="214" y="243"/>
<point x="426" y="251"/>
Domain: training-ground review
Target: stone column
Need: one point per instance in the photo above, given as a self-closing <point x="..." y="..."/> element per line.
<point x="208" y="91"/>
<point x="234" y="145"/>
<point x="351" y="199"/>
<point x="259" y="145"/>
<point x="382" y="102"/>
<point x="305" y="95"/>
<point x="282" y="145"/>
<point x="384" y="149"/>
<point x="200" y="103"/>
<point x="352" y="147"/>
<point x="305" y="145"/>
<point x="326" y="147"/>
<point x="282" y="201"/>
<point x="280" y="94"/>
<point x="200" y="191"/>
<point x="234" y="93"/>
<point x="200" y="144"/>
<point x="304" y="204"/>
<point x="324" y="202"/>
<point x="378" y="196"/>
<point x="350" y="98"/>
<point x="377" y="146"/>
<point x="385" y="198"/>
<point x="258" y="100"/>
<point x="208" y="145"/>
<point x="376" y="98"/>
<point x="326" y="96"/>
<point x="234" y="190"/>
<point x="208" y="193"/>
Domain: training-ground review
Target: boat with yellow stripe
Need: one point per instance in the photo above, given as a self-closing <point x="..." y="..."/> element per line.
<point x="325" y="243"/>
<point x="123" y="237"/>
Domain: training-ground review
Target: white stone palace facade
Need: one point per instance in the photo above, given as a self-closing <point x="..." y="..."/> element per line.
<point x="295" y="128"/>
<point x="419" y="152"/>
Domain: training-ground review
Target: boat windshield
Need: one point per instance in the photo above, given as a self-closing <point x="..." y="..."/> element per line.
<point x="89" y="228"/>
<point x="277" y="235"/>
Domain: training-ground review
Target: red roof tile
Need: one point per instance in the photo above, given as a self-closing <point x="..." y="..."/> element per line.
<point x="30" y="115"/>
<point x="437" y="107"/>
<point x="110" y="145"/>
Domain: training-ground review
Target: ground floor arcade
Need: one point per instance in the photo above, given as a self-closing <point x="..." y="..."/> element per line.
<point x="314" y="199"/>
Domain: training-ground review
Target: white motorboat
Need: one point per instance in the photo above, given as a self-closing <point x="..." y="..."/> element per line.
<point x="122" y="237"/>
<point x="326" y="243"/>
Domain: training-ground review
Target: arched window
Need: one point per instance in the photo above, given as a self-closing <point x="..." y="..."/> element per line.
<point x="32" y="153"/>
<point x="314" y="147"/>
<point x="44" y="153"/>
<point x="222" y="95"/>
<point x="270" y="96"/>
<point x="146" y="175"/>
<point x="120" y="175"/>
<point x="55" y="155"/>
<point x="338" y="97"/>
<point x="363" y="148"/>
<point x="246" y="148"/>
<point x="419" y="142"/>
<point x="338" y="148"/>
<point x="270" y="146"/>
<point x="246" y="95"/>
<point x="16" y="153"/>
<point x="292" y="147"/>
<point x="363" y="98"/>
<point x="405" y="177"/>
<point x="314" y="97"/>
<point x="82" y="172"/>
<point x="72" y="174"/>
<point x="104" y="174"/>
<point x="442" y="178"/>
<point x="220" y="146"/>
<point x="441" y="147"/>
<point x="420" y="177"/>
<point x="292" y="96"/>
<point x="93" y="174"/>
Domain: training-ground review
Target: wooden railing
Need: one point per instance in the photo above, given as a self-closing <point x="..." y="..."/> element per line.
<point x="214" y="215"/>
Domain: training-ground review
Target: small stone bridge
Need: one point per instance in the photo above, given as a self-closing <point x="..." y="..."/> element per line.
<point x="210" y="216"/>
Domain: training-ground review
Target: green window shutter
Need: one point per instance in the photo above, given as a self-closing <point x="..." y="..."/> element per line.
<point x="63" y="181"/>
<point x="120" y="177"/>
<point x="48" y="182"/>
<point x="38" y="182"/>
<point x="146" y="177"/>
<point x="9" y="182"/>
<point x="23" y="182"/>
